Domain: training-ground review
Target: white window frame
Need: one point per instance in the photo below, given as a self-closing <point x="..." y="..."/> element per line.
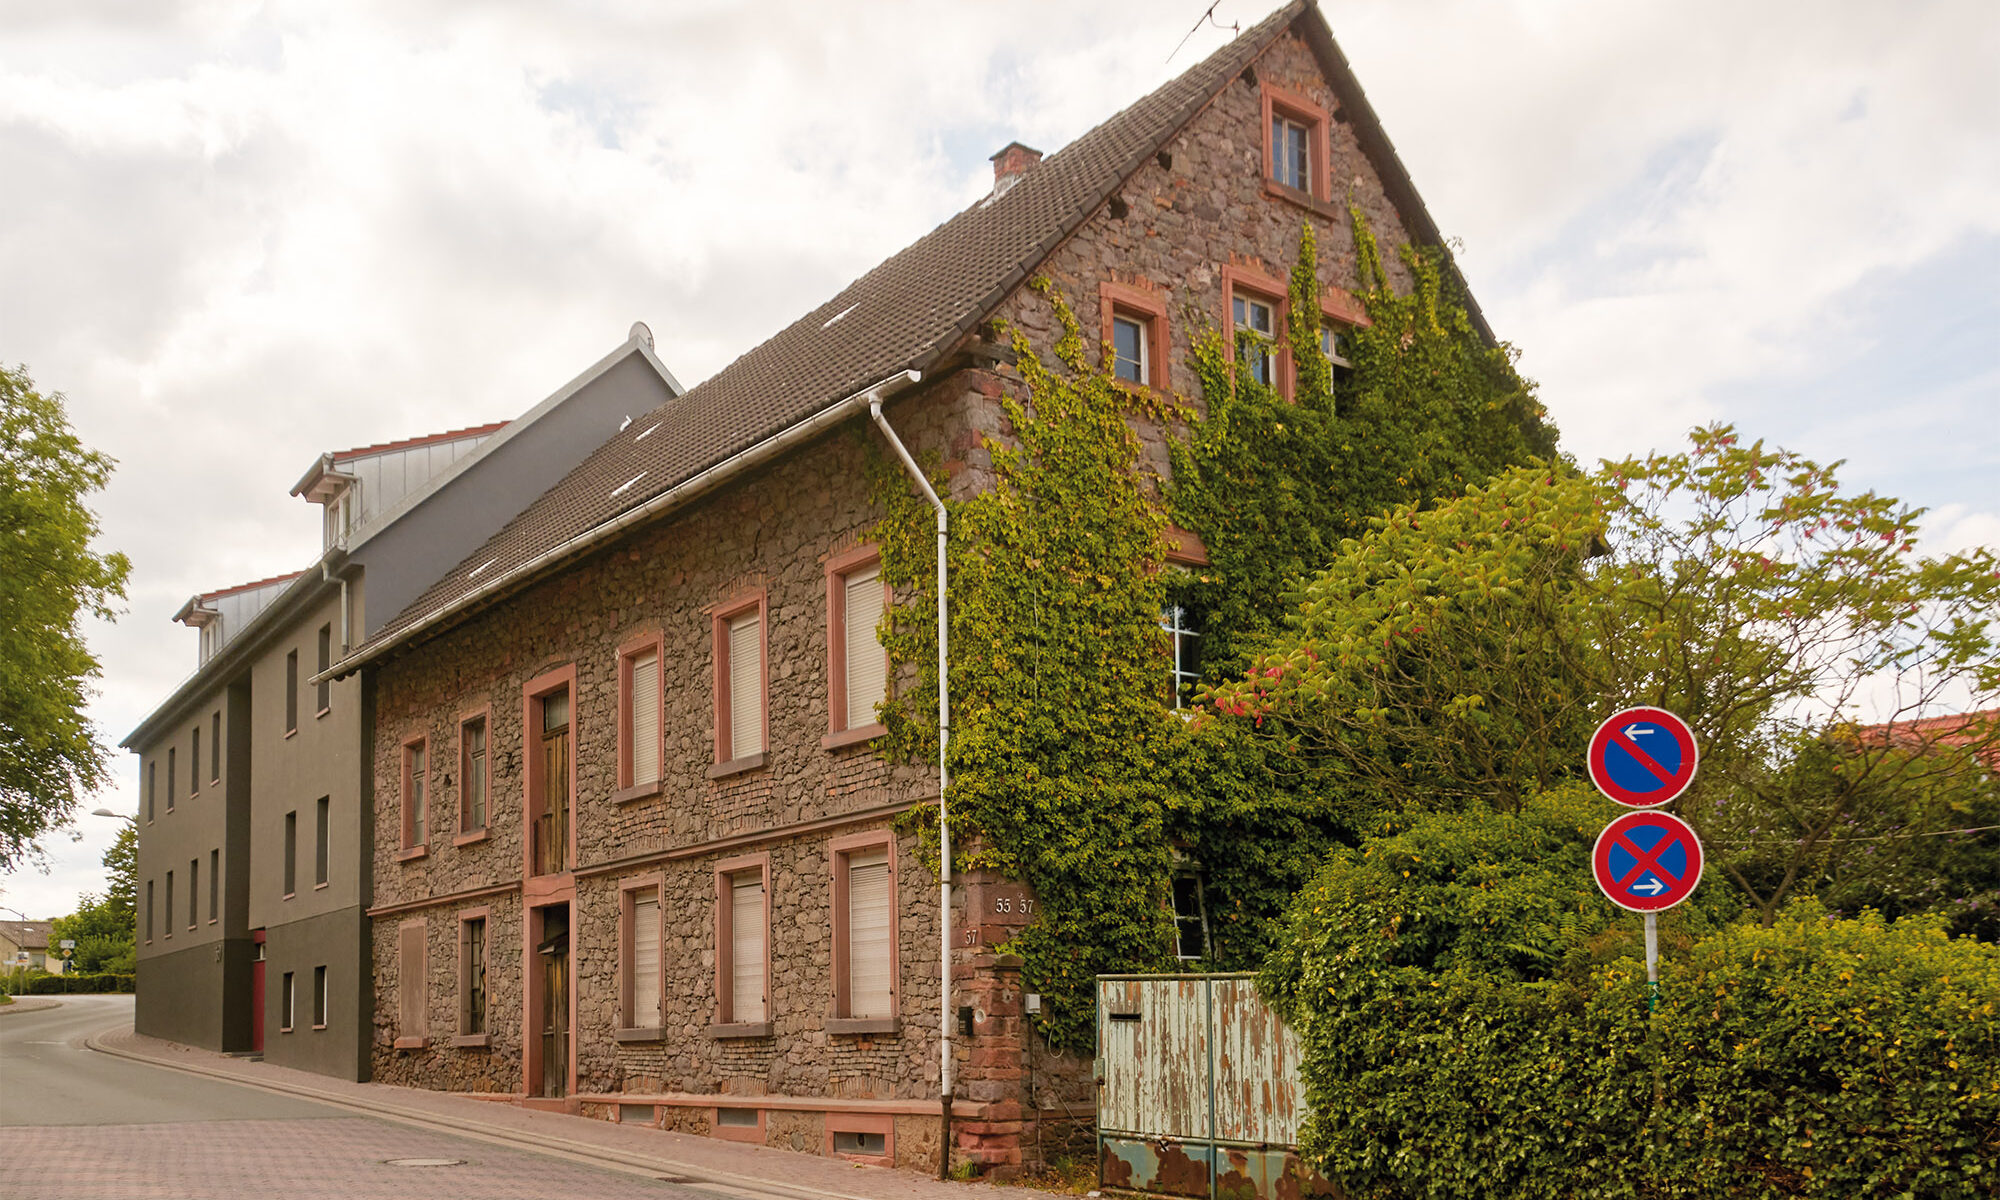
<point x="1143" y="363"/>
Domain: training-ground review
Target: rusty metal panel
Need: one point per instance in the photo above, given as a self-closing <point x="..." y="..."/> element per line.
<point x="1275" y="1174"/>
<point x="1164" y="1167"/>
<point x="1257" y="1094"/>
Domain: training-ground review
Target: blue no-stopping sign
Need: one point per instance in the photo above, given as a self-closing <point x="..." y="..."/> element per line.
<point x="1647" y="861"/>
<point x="1642" y="757"/>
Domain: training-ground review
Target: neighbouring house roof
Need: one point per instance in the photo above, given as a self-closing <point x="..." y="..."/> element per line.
<point x="28" y="935"/>
<point x="1954" y="729"/>
<point x="301" y="586"/>
<point x="203" y="600"/>
<point x="448" y="435"/>
<point x="904" y="315"/>
<point x="312" y="484"/>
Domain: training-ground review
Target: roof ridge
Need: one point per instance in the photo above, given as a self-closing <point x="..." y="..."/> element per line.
<point x="902" y="314"/>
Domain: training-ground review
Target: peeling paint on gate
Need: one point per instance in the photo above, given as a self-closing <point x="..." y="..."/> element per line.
<point x="1198" y="1091"/>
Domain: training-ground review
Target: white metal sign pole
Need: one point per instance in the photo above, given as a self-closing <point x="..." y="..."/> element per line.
<point x="1652" y="961"/>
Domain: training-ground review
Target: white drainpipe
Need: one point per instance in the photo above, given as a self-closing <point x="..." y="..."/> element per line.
<point x="944" y="782"/>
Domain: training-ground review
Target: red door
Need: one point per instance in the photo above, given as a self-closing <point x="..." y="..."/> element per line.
<point x="257" y="992"/>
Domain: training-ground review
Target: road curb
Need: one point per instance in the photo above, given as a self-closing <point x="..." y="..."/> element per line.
<point x="651" y="1166"/>
<point x="31" y="1004"/>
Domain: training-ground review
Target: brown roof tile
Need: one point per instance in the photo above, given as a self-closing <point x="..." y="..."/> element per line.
<point x="903" y="314"/>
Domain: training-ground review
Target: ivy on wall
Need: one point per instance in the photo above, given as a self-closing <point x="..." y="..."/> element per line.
<point x="1070" y="770"/>
<point x="1057" y="687"/>
<point x="1274" y="486"/>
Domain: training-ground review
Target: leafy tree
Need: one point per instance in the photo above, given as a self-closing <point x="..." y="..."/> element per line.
<point x="49" y="579"/>
<point x="121" y="865"/>
<point x="104" y="928"/>
<point x="103" y="935"/>
<point x="1466" y="652"/>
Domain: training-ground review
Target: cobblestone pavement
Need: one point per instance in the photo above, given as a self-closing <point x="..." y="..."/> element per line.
<point x="350" y="1158"/>
<point x="109" y="1113"/>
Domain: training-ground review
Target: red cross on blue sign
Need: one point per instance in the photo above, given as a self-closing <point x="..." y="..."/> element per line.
<point x="1647" y="861"/>
<point x="1642" y="757"/>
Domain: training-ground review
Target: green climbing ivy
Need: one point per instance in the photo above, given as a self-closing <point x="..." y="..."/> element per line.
<point x="1273" y="486"/>
<point x="1070" y="770"/>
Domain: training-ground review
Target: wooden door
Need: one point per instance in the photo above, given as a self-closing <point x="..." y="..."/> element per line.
<point x="553" y="952"/>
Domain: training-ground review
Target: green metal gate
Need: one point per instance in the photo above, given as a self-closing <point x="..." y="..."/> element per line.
<point x="1198" y="1090"/>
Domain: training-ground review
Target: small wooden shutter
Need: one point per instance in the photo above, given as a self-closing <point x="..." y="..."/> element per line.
<point x="867" y="663"/>
<point x="746" y="947"/>
<point x="645" y="731"/>
<point x="868" y="950"/>
<point x="410" y="971"/>
<point x="746" y="686"/>
<point x="646" y="961"/>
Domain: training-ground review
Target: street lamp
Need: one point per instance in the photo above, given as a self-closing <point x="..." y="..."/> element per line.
<point x="105" y="812"/>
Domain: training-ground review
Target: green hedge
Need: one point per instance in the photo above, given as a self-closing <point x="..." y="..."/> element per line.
<point x="74" y="985"/>
<point x="1474" y="1023"/>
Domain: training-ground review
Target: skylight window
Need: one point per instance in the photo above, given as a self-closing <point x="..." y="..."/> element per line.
<point x="648" y="432"/>
<point x="837" y="316"/>
<point x="628" y="483"/>
<point x="481" y="568"/>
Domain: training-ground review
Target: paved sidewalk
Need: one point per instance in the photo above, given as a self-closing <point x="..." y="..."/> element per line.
<point x="28" y="1004"/>
<point x="709" y="1163"/>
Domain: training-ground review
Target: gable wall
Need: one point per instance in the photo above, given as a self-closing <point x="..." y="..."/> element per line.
<point x="1210" y="210"/>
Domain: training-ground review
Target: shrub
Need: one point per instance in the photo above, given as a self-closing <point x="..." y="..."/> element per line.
<point x="1832" y="1058"/>
<point x="1473" y="1020"/>
<point x="78" y="985"/>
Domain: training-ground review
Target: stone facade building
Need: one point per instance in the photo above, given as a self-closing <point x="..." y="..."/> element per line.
<point x="256" y="805"/>
<point x="661" y="875"/>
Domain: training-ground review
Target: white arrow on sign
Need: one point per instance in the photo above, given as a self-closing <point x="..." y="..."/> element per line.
<point x="1652" y="886"/>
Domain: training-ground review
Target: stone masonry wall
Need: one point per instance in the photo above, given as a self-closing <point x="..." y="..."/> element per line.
<point x="1211" y="209"/>
<point x="1183" y="221"/>
<point x="775" y="532"/>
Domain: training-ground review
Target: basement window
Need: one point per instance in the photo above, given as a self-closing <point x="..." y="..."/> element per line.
<point x="874" y="1144"/>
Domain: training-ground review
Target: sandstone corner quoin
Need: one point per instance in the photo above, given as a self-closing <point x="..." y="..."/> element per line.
<point x="618" y="836"/>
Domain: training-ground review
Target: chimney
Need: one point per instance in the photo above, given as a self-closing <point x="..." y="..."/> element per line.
<point x="1012" y="163"/>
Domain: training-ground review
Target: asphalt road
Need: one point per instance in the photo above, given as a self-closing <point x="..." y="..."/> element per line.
<point x="48" y="1077"/>
<point x="79" y="1125"/>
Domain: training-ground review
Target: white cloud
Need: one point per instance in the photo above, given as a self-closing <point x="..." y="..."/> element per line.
<point x="1957" y="528"/>
<point x="255" y="231"/>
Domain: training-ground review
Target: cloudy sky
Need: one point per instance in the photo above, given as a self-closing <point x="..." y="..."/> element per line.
<point x="238" y="234"/>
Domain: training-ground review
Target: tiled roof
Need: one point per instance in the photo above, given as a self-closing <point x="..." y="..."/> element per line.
<point x="250" y="587"/>
<point x="28" y="935"/>
<point x="1955" y="729"/>
<point x="904" y="314"/>
<point x="449" y="435"/>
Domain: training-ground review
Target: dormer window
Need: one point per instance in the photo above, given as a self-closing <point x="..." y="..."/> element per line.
<point x="340" y="514"/>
